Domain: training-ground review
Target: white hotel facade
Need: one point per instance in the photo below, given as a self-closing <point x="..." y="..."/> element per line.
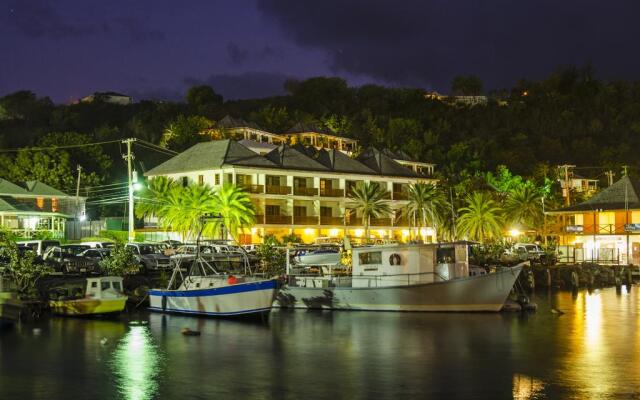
<point x="299" y="182"/>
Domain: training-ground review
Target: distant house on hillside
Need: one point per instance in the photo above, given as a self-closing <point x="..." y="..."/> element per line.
<point x="580" y="184"/>
<point x="33" y="208"/>
<point x="108" y="97"/>
<point x="462" y="100"/>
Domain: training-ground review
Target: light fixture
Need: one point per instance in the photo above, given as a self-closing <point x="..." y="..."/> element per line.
<point x="514" y="233"/>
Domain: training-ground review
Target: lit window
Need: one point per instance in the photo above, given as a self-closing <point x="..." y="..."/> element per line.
<point x="40" y="202"/>
<point x="372" y="257"/>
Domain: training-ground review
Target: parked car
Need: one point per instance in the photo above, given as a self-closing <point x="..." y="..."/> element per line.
<point x="98" y="245"/>
<point x="74" y="249"/>
<point x="174" y="244"/>
<point x="63" y="260"/>
<point x="150" y="256"/>
<point x="531" y="252"/>
<point x="39" y="246"/>
<point x="96" y="254"/>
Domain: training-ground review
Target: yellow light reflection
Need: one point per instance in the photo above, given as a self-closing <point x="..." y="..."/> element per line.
<point x="593" y="318"/>
<point x="136" y="365"/>
<point x="526" y="387"/>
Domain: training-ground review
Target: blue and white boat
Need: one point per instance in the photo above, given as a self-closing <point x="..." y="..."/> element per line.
<point x="204" y="291"/>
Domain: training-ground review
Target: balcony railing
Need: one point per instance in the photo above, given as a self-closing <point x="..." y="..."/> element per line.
<point x="332" y="192"/>
<point x="400" y="195"/>
<point x="387" y="195"/>
<point x="253" y="188"/>
<point x="278" y="219"/>
<point x="305" y="220"/>
<point x="331" y="220"/>
<point x="259" y="219"/>
<point x="305" y="191"/>
<point x="600" y="229"/>
<point x="278" y="189"/>
<point x="401" y="222"/>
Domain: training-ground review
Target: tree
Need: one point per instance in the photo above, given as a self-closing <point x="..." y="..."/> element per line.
<point x="426" y="205"/>
<point x="184" y="132"/>
<point x="21" y="268"/>
<point x="235" y="209"/>
<point x="183" y="210"/>
<point x="524" y="206"/>
<point x="272" y="119"/>
<point x="151" y="199"/>
<point x="202" y="96"/>
<point x="466" y="85"/>
<point x="121" y="261"/>
<point x="480" y="219"/>
<point x="368" y="199"/>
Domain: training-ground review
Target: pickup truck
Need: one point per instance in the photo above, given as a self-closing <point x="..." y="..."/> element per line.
<point x="63" y="259"/>
<point x="150" y="256"/>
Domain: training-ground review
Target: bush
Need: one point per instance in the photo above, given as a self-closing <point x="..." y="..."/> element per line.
<point x="121" y="262"/>
<point x="21" y="268"/>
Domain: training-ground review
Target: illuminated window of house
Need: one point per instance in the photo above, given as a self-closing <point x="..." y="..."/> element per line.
<point x="635" y="217"/>
<point x="55" y="206"/>
<point x="578" y="219"/>
<point x="40" y="202"/>
<point x="607" y="218"/>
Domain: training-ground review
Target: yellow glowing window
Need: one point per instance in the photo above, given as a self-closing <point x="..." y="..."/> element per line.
<point x="607" y="218"/>
<point x="40" y="202"/>
<point x="635" y="217"/>
<point x="54" y="205"/>
<point x="579" y="219"/>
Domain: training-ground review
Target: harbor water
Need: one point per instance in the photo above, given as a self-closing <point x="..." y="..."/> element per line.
<point x="582" y="345"/>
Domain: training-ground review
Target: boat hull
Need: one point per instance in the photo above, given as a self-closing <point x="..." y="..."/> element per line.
<point x="87" y="306"/>
<point x="233" y="300"/>
<point x="478" y="293"/>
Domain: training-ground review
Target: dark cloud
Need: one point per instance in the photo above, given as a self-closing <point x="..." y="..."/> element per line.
<point x="271" y="52"/>
<point x="38" y="19"/>
<point x="134" y="29"/>
<point x="244" y="86"/>
<point x="237" y="55"/>
<point x="427" y="42"/>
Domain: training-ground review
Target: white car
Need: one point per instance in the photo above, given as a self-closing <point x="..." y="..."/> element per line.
<point x="98" y="245"/>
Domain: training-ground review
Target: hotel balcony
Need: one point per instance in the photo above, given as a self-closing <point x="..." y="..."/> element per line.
<point x="403" y="222"/>
<point x="278" y="219"/>
<point x="332" y="192"/>
<point x="278" y="189"/>
<point x="331" y="220"/>
<point x="253" y="188"/>
<point x="259" y="219"/>
<point x="380" y="222"/>
<point x="305" y="220"/>
<point x="305" y="191"/>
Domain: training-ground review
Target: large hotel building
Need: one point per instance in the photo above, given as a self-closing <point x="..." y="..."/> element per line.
<point x="300" y="181"/>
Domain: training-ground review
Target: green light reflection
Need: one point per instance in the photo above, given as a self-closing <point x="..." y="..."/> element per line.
<point x="136" y="365"/>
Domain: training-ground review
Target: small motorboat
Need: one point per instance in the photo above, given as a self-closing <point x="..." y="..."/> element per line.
<point x="318" y="256"/>
<point x="101" y="296"/>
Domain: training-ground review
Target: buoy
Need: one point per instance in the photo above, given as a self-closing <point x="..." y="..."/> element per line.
<point x="232" y="280"/>
<point x="189" y="332"/>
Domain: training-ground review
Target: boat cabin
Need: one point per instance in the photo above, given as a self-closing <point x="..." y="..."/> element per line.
<point x="406" y="264"/>
<point x="104" y="287"/>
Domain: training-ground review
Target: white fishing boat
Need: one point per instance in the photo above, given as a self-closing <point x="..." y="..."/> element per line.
<point x="318" y="256"/>
<point x="410" y="277"/>
<point x="205" y="291"/>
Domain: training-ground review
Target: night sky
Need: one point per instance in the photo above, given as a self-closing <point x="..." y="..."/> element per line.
<point x="66" y="49"/>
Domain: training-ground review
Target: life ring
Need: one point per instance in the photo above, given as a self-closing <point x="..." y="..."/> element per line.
<point x="395" y="259"/>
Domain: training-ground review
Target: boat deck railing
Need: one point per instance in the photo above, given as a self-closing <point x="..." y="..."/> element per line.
<point x="364" y="281"/>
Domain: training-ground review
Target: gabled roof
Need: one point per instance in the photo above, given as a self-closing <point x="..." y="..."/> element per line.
<point x="210" y="155"/>
<point x="294" y="157"/>
<point x="229" y="122"/>
<point x="9" y="188"/>
<point x="40" y="189"/>
<point x="622" y="194"/>
<point x="337" y="161"/>
<point x="254" y="144"/>
<point x="302" y="127"/>
<point x="384" y="165"/>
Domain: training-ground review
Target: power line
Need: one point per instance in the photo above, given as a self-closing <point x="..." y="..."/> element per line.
<point x="158" y="149"/>
<point x="70" y="146"/>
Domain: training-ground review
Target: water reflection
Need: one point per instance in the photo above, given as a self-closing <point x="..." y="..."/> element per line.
<point x="527" y="388"/>
<point x="136" y="364"/>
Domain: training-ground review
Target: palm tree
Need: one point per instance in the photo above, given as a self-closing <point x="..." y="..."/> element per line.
<point x="369" y="200"/>
<point x="480" y="219"/>
<point x="234" y="206"/>
<point x="184" y="207"/>
<point x="426" y="202"/>
<point x="524" y="206"/>
<point x="153" y="196"/>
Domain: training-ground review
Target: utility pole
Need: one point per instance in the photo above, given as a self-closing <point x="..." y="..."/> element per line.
<point x="129" y="158"/>
<point x="610" y="175"/>
<point x="567" y="183"/>
<point x="78" y="187"/>
<point x="624" y="170"/>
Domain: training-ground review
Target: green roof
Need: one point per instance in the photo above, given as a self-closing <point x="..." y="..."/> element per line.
<point x="385" y="165"/>
<point x="294" y="157"/>
<point x="620" y="196"/>
<point x="7" y="187"/>
<point x="30" y="188"/>
<point x="211" y="155"/>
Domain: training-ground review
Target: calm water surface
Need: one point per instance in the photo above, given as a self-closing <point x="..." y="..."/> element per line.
<point x="590" y="352"/>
